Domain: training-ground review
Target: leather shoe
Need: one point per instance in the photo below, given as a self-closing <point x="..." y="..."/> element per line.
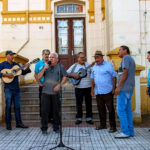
<point x="112" y="129"/>
<point x="8" y="127"/>
<point x="44" y="132"/>
<point x="56" y="131"/>
<point x="90" y="122"/>
<point x="21" y="126"/>
<point x="100" y="127"/>
<point x="78" y="122"/>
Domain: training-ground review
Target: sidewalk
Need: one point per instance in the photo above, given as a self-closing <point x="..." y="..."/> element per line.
<point x="78" y="138"/>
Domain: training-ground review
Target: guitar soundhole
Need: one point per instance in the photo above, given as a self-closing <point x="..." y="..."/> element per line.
<point x="14" y="71"/>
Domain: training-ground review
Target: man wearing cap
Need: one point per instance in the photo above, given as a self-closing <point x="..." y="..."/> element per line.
<point x="124" y="91"/>
<point x="83" y="89"/>
<point x="103" y="78"/>
<point x="12" y="91"/>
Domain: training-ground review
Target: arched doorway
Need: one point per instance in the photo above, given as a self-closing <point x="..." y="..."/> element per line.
<point x="70" y="32"/>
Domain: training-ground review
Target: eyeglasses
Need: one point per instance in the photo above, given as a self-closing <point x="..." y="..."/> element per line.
<point x="82" y="57"/>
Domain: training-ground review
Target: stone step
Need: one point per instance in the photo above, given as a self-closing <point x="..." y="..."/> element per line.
<point x="35" y="101"/>
<point x="65" y="108"/>
<point x="28" y="95"/>
<point x="35" y="88"/>
<point x="65" y="115"/>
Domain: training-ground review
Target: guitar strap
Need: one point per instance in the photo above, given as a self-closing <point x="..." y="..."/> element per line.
<point x="74" y="67"/>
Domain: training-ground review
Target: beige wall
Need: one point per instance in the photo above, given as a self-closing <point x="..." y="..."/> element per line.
<point x="42" y="35"/>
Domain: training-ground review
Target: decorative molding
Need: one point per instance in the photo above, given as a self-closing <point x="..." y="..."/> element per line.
<point x="5" y="5"/>
<point x="103" y="9"/>
<point x="91" y="11"/>
<point x="15" y="17"/>
<point x="22" y="17"/>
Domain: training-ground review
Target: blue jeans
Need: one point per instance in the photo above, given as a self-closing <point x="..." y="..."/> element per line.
<point x="125" y="113"/>
<point x="12" y="95"/>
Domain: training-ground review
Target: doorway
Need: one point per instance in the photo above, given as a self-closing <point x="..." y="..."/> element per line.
<point x="70" y="39"/>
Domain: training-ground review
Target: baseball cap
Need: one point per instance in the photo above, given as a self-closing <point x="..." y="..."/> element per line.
<point x="9" y="52"/>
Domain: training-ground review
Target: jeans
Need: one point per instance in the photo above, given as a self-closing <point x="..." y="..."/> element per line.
<point x="125" y="113"/>
<point x="12" y="95"/>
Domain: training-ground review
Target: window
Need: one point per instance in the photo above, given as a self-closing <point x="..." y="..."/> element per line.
<point x="70" y="8"/>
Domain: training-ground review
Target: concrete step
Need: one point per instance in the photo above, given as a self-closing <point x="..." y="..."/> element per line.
<point x="35" y="101"/>
<point x="28" y="95"/>
<point x="65" y="115"/>
<point x="65" y="108"/>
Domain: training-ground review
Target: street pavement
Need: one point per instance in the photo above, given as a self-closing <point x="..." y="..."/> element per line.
<point x="78" y="138"/>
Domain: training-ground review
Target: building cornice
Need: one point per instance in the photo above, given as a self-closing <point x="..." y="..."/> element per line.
<point x="43" y="16"/>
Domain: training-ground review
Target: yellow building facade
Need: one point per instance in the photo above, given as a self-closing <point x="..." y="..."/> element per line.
<point x="70" y="26"/>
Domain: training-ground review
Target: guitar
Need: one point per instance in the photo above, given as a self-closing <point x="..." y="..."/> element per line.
<point x="16" y="71"/>
<point x="82" y="73"/>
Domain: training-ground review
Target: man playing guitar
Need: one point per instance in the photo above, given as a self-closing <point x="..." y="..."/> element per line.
<point x="12" y="91"/>
<point x="83" y="89"/>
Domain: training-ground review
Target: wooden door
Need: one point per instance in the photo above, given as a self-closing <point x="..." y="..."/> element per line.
<point x="70" y="39"/>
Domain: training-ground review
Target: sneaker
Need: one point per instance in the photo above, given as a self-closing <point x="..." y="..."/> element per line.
<point x="44" y="132"/>
<point x="78" y="122"/>
<point x="90" y="122"/>
<point x="100" y="127"/>
<point x="121" y="135"/>
<point x="112" y="129"/>
<point x="8" y="127"/>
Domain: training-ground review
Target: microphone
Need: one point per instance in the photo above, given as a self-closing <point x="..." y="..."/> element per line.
<point x="49" y="63"/>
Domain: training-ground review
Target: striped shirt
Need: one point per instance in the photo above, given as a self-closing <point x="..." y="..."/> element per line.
<point x="103" y="77"/>
<point x="85" y="82"/>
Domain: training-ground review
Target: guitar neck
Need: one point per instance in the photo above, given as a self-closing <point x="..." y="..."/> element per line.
<point x="22" y="67"/>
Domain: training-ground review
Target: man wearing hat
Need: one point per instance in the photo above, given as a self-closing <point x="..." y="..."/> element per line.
<point x="12" y="91"/>
<point x="103" y="78"/>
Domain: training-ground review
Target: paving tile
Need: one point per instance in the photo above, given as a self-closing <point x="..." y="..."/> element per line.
<point x="78" y="138"/>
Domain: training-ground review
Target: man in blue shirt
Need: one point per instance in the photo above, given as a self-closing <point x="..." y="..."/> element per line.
<point x="124" y="91"/>
<point x="148" y="79"/>
<point x="103" y="78"/>
<point x="38" y="67"/>
<point x="12" y="91"/>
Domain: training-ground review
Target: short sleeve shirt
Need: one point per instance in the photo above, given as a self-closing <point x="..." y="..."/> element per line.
<point x="127" y="63"/>
<point x="103" y="77"/>
<point x="53" y="76"/>
<point x="85" y="82"/>
<point x="38" y="67"/>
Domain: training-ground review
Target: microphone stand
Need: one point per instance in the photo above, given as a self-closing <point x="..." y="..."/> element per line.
<point x="61" y="144"/>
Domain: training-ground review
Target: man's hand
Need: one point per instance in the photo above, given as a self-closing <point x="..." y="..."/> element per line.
<point x="57" y="88"/>
<point x="113" y="91"/>
<point x="46" y="66"/>
<point x="28" y="67"/>
<point x="92" y="93"/>
<point x="9" y="75"/>
<point x="117" y="91"/>
<point x="76" y="76"/>
<point x="147" y="91"/>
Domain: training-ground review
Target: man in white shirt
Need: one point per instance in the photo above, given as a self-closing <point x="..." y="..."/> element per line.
<point x="83" y="89"/>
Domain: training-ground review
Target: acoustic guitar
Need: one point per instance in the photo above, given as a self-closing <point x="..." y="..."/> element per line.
<point x="16" y="71"/>
<point x="82" y="73"/>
